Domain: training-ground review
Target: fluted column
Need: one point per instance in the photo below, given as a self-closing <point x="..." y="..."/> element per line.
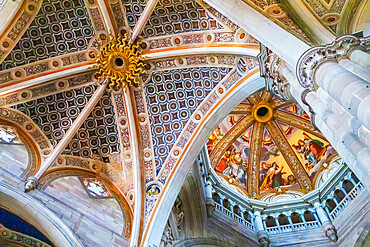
<point x="262" y="236"/>
<point x="361" y="58"/>
<point x="349" y="90"/>
<point x="327" y="226"/>
<point x="356" y="69"/>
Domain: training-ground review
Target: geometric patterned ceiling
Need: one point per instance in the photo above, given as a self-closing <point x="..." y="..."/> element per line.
<point x="194" y="56"/>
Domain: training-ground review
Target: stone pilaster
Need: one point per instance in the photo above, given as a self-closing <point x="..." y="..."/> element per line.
<point x="271" y="68"/>
<point x="327" y="226"/>
<point x="263" y="238"/>
<point x="210" y="203"/>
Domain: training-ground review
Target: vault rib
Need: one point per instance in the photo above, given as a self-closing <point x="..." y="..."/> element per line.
<point x="289" y="155"/>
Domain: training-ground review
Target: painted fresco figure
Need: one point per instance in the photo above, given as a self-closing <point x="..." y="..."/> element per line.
<point x="235" y="169"/>
<point x="223" y="162"/>
<point x="311" y="150"/>
<point x="215" y="137"/>
<point x="274" y="177"/>
<point x="263" y="172"/>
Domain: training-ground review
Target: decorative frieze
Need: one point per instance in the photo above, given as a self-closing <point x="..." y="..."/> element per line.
<point x="271" y="66"/>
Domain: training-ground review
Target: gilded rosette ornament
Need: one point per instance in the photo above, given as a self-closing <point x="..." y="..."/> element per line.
<point x="121" y="62"/>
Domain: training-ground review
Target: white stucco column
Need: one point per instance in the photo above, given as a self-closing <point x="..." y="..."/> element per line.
<point x="351" y="91"/>
<point x="210" y="203"/>
<point x="361" y="58"/>
<point x="318" y="68"/>
<point x="355" y="152"/>
<point x="356" y="69"/>
<point x="327" y="226"/>
<point x="343" y="131"/>
<point x="262" y="235"/>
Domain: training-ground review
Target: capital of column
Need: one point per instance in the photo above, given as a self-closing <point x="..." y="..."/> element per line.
<point x="341" y="48"/>
<point x="271" y="67"/>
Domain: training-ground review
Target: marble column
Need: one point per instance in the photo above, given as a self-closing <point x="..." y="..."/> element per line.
<point x="349" y="137"/>
<point x="318" y="68"/>
<point x="349" y="90"/>
<point x="262" y="235"/>
<point x="361" y="58"/>
<point x="327" y="226"/>
<point x="210" y="203"/>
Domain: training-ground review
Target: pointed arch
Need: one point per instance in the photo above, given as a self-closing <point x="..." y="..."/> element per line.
<point x="34" y="161"/>
<point x="27" y="207"/>
<point x="53" y="174"/>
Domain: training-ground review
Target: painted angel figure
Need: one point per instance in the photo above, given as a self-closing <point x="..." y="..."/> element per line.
<point x="311" y="150"/>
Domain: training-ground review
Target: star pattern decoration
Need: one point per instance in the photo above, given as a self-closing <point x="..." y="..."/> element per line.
<point x="121" y="62"/>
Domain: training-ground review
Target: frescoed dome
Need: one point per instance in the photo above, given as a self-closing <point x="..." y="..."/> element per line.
<point x="266" y="145"/>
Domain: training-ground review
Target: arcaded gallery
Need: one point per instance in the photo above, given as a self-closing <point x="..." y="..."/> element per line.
<point x="185" y="123"/>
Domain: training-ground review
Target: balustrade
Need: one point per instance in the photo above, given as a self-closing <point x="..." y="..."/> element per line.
<point x="231" y="214"/>
<point x="342" y="193"/>
<point x="346" y="200"/>
<point x="302" y="220"/>
<point x="293" y="227"/>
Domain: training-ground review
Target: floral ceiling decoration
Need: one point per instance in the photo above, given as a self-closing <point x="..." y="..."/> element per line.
<point x="120" y="61"/>
<point x="267" y="145"/>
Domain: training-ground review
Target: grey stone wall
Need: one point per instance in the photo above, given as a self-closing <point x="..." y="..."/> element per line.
<point x="96" y="222"/>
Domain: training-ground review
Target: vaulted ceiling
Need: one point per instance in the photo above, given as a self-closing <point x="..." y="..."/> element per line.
<point x="193" y="56"/>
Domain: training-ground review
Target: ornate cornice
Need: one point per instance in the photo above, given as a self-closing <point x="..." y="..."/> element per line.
<point x="271" y="66"/>
<point x="339" y="49"/>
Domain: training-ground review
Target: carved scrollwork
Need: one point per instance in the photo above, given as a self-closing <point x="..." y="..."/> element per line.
<point x="271" y="67"/>
<point x="315" y="56"/>
<point x="167" y="238"/>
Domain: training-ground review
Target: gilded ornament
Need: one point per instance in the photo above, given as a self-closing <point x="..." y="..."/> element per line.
<point x="121" y="62"/>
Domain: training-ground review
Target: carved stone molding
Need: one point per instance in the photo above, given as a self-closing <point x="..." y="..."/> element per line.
<point x="339" y="49"/>
<point x="9" y="237"/>
<point x="31" y="184"/>
<point x="263" y="239"/>
<point x="271" y="66"/>
<point x="167" y="238"/>
<point x="330" y="232"/>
